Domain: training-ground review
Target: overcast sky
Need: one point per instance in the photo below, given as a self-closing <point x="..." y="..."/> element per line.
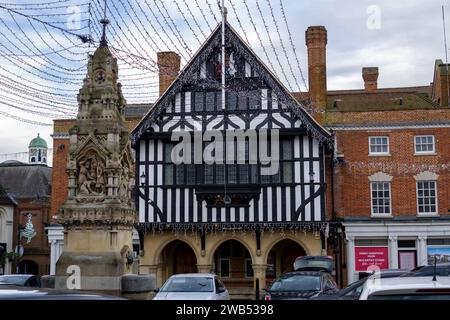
<point x="403" y="38"/>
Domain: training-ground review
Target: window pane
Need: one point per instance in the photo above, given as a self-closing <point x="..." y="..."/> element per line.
<point x="254" y="99"/>
<point x="220" y="173"/>
<point x="232" y="173"/>
<point x="287" y="172"/>
<point x="198" y="101"/>
<point x="381" y="198"/>
<point x="167" y="152"/>
<point x="190" y="174"/>
<point x="232" y="101"/>
<point x="168" y="174"/>
<point x="180" y="174"/>
<point x="287" y="149"/>
<point x="210" y="101"/>
<point x="209" y="174"/>
<point x="243" y="100"/>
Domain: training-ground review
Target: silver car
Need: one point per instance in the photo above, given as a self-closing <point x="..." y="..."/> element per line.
<point x="192" y="286"/>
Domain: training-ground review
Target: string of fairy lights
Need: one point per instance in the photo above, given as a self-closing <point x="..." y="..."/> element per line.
<point x="44" y="47"/>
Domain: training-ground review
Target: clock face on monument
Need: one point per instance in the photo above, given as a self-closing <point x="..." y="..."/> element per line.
<point x="100" y="77"/>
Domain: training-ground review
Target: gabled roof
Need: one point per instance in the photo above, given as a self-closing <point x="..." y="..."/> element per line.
<point x="189" y="71"/>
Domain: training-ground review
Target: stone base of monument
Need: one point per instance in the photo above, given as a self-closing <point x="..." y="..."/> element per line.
<point x="99" y="272"/>
<point x="137" y="287"/>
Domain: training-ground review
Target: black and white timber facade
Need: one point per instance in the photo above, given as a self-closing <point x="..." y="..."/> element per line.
<point x="191" y="196"/>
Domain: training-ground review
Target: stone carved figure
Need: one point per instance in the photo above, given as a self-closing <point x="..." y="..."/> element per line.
<point x="124" y="183"/>
<point x="91" y="179"/>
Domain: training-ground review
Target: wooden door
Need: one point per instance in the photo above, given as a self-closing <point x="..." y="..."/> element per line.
<point x="184" y="260"/>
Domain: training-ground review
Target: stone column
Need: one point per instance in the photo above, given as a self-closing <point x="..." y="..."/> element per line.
<point x="259" y="272"/>
<point x="204" y="268"/>
<point x="422" y="255"/>
<point x="350" y="259"/>
<point x="393" y="252"/>
<point x="53" y="257"/>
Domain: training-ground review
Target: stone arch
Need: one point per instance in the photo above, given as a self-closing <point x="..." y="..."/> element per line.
<point x="275" y="241"/>
<point x="164" y="244"/>
<point x="221" y="241"/>
<point x="280" y="255"/>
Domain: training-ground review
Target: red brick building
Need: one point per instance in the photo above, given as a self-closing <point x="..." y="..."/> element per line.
<point x="391" y="181"/>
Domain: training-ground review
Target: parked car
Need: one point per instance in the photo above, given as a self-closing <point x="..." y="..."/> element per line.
<point x="353" y="291"/>
<point x="192" y="286"/>
<point x="442" y="269"/>
<point x="407" y="288"/>
<point x="23" y="280"/>
<point x="300" y="285"/>
<point x="14" y="292"/>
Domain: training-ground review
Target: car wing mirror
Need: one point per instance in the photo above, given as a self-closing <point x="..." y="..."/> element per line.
<point x="156" y="290"/>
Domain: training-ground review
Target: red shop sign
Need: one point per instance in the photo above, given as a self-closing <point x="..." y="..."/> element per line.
<point x="371" y="256"/>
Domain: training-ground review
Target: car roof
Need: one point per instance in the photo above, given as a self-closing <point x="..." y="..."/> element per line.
<point x="407" y="283"/>
<point x="10" y="291"/>
<point x="18" y="275"/>
<point x="193" y="275"/>
<point x="303" y="273"/>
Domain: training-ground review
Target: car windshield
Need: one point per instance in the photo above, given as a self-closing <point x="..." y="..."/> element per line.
<point x="188" y="284"/>
<point x="297" y="283"/>
<point x="17" y="280"/>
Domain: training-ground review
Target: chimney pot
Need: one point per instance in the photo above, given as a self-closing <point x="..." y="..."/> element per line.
<point x="370" y="77"/>
<point x="169" y="67"/>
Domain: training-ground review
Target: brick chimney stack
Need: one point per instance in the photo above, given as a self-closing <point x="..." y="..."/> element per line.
<point x="169" y="67"/>
<point x="316" y="42"/>
<point x="370" y="76"/>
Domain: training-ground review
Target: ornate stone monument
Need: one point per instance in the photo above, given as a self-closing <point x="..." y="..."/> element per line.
<point x="98" y="215"/>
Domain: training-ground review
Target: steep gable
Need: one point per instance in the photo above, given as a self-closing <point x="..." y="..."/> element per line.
<point x="191" y="71"/>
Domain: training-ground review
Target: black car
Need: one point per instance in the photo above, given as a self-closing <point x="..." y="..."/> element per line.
<point x="13" y="292"/>
<point x="353" y="291"/>
<point x="301" y="285"/>
<point x="23" y="280"/>
<point x="442" y="269"/>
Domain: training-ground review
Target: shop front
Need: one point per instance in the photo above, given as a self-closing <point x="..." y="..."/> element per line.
<point x="395" y="244"/>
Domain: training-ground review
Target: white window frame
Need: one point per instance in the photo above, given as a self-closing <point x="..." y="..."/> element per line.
<point x="387" y="153"/>
<point x="435" y="197"/>
<point x="371" y="200"/>
<point x="424" y="152"/>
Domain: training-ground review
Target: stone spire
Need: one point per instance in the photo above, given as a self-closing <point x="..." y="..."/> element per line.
<point x="104" y="22"/>
<point x="98" y="215"/>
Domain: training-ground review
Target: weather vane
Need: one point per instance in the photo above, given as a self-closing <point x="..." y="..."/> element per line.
<point x="104" y="22"/>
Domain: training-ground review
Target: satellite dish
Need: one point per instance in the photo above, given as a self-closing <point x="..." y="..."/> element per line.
<point x="19" y="251"/>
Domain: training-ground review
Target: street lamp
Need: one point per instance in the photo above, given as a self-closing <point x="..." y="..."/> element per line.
<point x="143" y="178"/>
